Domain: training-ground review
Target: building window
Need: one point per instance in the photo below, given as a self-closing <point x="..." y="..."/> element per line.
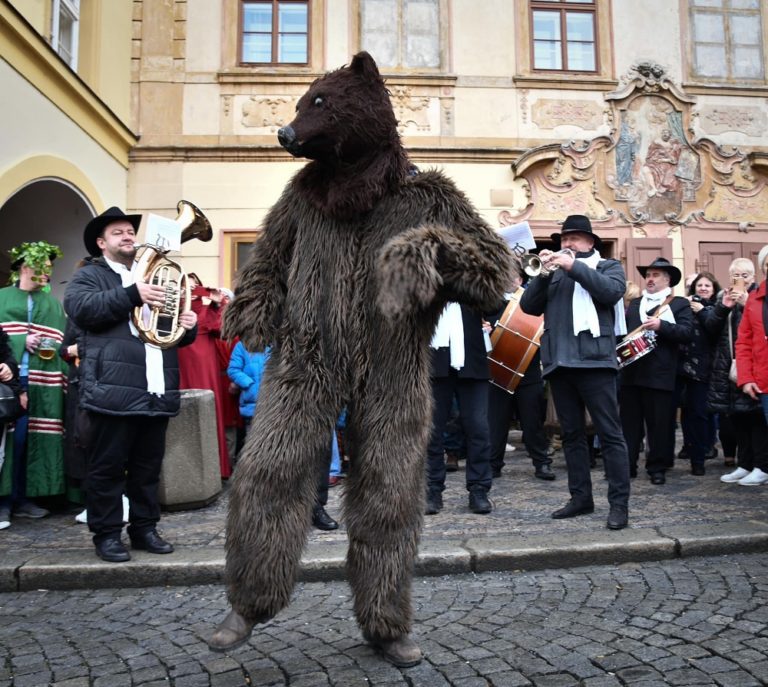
<point x="65" y="17"/>
<point x="564" y="35"/>
<point x="401" y="33"/>
<point x="727" y="39"/>
<point x="275" y="32"/>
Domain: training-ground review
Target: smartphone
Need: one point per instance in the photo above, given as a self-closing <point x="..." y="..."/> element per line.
<point x="738" y="284"/>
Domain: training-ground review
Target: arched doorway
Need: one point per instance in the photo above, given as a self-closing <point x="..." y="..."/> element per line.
<point x="46" y="210"/>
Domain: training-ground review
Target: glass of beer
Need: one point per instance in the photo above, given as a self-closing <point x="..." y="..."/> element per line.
<point x="47" y="348"/>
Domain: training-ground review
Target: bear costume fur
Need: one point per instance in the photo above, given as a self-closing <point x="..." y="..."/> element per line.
<point x="357" y="260"/>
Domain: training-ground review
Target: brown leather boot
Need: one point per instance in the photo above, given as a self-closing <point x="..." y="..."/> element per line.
<point x="402" y="652"/>
<point x="233" y="631"/>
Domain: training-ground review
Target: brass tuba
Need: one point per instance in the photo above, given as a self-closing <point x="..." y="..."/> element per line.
<point x="162" y="327"/>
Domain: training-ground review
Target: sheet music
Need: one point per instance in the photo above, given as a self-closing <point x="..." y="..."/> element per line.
<point x="518" y="235"/>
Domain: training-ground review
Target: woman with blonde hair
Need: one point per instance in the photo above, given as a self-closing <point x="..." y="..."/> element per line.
<point x="725" y="397"/>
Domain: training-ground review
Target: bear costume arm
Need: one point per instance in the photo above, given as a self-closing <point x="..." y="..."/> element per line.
<point x="256" y="311"/>
<point x="454" y="256"/>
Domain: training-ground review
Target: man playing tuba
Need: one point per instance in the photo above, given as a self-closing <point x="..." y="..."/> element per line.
<point x="129" y="388"/>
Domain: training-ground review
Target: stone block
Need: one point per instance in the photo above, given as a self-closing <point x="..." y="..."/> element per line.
<point x="191" y="476"/>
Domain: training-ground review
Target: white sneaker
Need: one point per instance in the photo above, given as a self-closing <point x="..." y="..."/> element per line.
<point x="82" y="518"/>
<point x="125" y="508"/>
<point x="754" y="478"/>
<point x="735" y="476"/>
<point x="5" y="518"/>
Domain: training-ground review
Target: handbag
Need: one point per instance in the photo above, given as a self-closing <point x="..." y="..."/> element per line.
<point x="10" y="406"/>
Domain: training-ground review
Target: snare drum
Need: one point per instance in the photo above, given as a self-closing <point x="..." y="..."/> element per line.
<point x="634" y="346"/>
<point x="515" y="341"/>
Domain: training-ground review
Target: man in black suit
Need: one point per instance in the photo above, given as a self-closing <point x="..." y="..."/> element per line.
<point x="460" y="367"/>
<point x="529" y="404"/>
<point x="647" y="385"/>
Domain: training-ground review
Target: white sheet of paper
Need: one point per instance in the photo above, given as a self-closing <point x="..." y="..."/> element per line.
<point x="518" y="235"/>
<point x="163" y="232"/>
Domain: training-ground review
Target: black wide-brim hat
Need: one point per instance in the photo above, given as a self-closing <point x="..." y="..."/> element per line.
<point x="94" y="228"/>
<point x="580" y="224"/>
<point x="662" y="264"/>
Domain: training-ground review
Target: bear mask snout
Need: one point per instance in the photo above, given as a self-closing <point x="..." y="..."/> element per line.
<point x="287" y="137"/>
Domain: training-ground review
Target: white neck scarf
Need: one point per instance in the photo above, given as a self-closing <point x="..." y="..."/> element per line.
<point x="651" y="301"/>
<point x="450" y="332"/>
<point x="152" y="354"/>
<point x="584" y="312"/>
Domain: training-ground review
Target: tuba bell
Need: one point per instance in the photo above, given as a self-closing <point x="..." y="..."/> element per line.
<point x="160" y="326"/>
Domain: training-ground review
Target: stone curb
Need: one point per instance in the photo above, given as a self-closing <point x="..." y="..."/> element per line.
<point x="322" y="561"/>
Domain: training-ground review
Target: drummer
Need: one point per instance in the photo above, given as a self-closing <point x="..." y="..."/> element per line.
<point x="647" y="384"/>
<point x="528" y="404"/>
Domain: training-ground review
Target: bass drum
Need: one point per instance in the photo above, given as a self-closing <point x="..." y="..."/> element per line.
<point x="515" y="341"/>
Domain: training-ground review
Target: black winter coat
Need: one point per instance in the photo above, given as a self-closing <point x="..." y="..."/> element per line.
<point x="696" y="355"/>
<point x="658" y="369"/>
<point x="553" y="298"/>
<point x="475" y="356"/>
<point x="6" y="356"/>
<point x="723" y="395"/>
<point x="113" y="368"/>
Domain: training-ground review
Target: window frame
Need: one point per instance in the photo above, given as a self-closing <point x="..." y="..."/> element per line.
<point x="726" y="13"/>
<point x="274" y="33"/>
<point x="442" y="40"/>
<point x="562" y="8"/>
<point x="72" y="8"/>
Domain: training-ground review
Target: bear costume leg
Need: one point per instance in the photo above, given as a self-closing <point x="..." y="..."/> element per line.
<point x="388" y="462"/>
<point x="274" y="489"/>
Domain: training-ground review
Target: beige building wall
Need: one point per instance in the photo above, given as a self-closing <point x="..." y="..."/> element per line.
<point x="208" y="126"/>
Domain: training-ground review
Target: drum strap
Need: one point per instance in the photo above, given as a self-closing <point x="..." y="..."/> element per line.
<point x="661" y="306"/>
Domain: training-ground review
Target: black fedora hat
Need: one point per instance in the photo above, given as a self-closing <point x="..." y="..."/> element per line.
<point x="662" y="264"/>
<point x="94" y="228"/>
<point x="580" y="224"/>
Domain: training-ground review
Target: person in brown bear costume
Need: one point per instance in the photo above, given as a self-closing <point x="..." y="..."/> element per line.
<point x="356" y="262"/>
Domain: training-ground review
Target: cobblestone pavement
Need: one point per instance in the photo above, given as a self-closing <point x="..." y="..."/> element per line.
<point x="697" y="621"/>
<point x="522" y="505"/>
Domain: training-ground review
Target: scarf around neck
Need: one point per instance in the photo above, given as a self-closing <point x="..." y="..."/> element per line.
<point x="450" y="333"/>
<point x="584" y="311"/>
<point x="153" y="355"/>
<point x="650" y="301"/>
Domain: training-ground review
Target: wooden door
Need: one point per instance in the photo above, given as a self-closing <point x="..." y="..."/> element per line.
<point x="716" y="257"/>
<point x="644" y="252"/>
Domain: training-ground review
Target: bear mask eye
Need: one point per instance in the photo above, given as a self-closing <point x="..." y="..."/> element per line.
<point x="318" y="101"/>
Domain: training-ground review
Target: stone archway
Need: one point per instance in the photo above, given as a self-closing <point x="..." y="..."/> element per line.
<point x="46" y="210"/>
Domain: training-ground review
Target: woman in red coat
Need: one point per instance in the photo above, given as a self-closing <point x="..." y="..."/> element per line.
<point x="198" y="362"/>
<point x="752" y="361"/>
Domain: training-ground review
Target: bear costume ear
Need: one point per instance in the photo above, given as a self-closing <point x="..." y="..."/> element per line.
<point x="364" y="65"/>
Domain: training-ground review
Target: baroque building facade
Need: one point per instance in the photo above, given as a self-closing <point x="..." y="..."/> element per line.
<point x="649" y="117"/>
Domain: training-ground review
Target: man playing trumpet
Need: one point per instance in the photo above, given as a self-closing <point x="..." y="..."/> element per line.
<point x="580" y="295"/>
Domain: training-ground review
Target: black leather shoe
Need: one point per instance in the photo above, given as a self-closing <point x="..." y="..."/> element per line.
<point x="322" y="521"/>
<point x="434" y="503"/>
<point x="451" y="462"/>
<point x="617" y="518"/>
<point x="151" y="542"/>
<point x="479" y="502"/>
<point x="545" y="472"/>
<point x="698" y="469"/>
<point x="572" y="509"/>
<point x="112" y="551"/>
<point x="658" y="478"/>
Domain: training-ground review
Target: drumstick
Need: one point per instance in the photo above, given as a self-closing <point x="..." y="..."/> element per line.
<point x="640" y="328"/>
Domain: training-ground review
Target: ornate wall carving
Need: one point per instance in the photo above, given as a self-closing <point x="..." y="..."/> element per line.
<point x="547" y="114"/>
<point x="718" y="119"/>
<point x="650" y="172"/>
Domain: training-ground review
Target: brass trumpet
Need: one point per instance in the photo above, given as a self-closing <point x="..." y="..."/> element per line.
<point x="162" y="327"/>
<point x="534" y="265"/>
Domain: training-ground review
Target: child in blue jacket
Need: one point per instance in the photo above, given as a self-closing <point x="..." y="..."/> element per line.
<point x="246" y="369"/>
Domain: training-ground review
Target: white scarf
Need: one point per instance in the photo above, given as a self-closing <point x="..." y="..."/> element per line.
<point x="153" y="355"/>
<point x="584" y="312"/>
<point x="450" y="332"/>
<point x="651" y="301"/>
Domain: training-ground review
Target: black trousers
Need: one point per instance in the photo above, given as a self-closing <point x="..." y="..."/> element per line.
<point x="528" y="402"/>
<point x="654" y="409"/>
<point x="125" y="454"/>
<point x="753" y="440"/>
<point x="575" y="389"/>
<point x="472" y="395"/>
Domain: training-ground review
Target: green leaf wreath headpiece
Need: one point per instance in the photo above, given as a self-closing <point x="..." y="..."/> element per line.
<point x="34" y="254"/>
